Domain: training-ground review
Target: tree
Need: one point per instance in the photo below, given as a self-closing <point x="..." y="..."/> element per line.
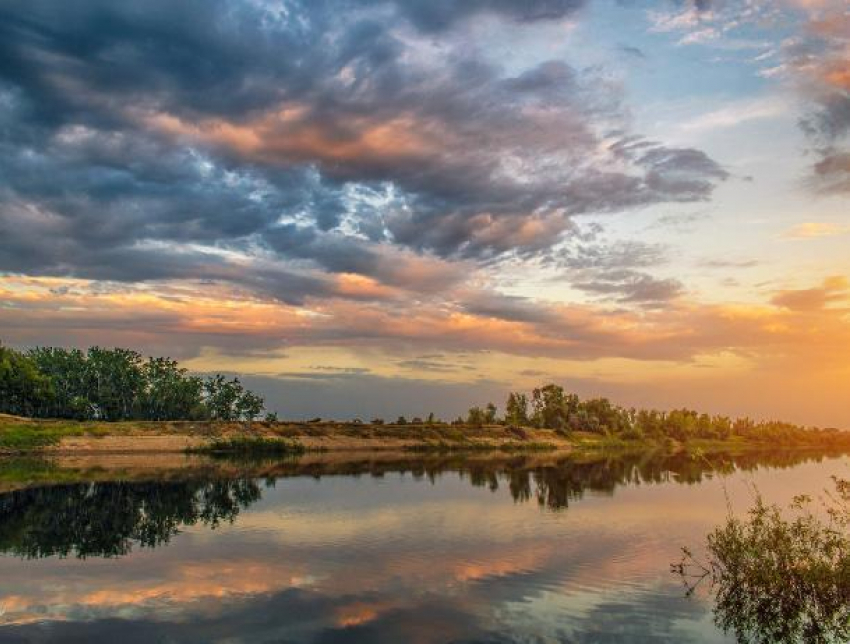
<point x="516" y="409"/>
<point x="248" y="406"/>
<point x="490" y="414"/>
<point x="552" y="407"/>
<point x="116" y="384"/>
<point x="24" y="390"/>
<point x="113" y="381"/>
<point x="222" y="396"/>
<point x="780" y="576"/>
<point x="170" y="394"/>
<point x="66" y="370"/>
<point x="476" y="417"/>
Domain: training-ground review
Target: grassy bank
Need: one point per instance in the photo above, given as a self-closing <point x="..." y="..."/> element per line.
<point x="22" y="436"/>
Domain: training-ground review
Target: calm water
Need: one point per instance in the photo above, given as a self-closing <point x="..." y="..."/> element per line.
<point x="519" y="549"/>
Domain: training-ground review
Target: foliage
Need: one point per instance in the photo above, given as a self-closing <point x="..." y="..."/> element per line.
<point x="516" y="409"/>
<point x="23" y="388"/>
<point x="553" y="408"/>
<point x="778" y="579"/>
<point x="170" y="394"/>
<point x="115" y="384"/>
<point x="476" y="417"/>
<point x="252" y="445"/>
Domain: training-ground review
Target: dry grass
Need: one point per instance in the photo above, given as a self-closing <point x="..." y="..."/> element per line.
<point x="23" y="434"/>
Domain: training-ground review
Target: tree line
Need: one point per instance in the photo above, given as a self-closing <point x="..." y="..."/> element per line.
<point x="119" y="384"/>
<point x="116" y="384"/>
<point x="551" y="407"/>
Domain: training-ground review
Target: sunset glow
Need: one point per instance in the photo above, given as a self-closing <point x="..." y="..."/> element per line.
<point x="376" y="207"/>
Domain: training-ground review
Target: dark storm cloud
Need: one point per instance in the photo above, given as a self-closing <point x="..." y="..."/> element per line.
<point x="131" y="133"/>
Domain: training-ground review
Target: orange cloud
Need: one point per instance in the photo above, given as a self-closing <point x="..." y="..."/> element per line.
<point x="795" y="332"/>
<point x="833" y="290"/>
<point x="289" y="135"/>
<point x="810" y="229"/>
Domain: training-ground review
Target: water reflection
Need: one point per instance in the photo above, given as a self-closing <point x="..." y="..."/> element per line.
<point x="384" y="549"/>
<point x="106" y="518"/>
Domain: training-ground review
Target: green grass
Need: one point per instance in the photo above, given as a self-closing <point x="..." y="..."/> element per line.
<point x="24" y="437"/>
<point x="21" y="438"/>
<point x="252" y="446"/>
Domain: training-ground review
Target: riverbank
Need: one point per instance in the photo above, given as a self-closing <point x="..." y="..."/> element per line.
<point x="60" y="437"/>
<point x="22" y="435"/>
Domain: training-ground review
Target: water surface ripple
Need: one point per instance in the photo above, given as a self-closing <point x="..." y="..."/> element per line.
<point x="520" y="549"/>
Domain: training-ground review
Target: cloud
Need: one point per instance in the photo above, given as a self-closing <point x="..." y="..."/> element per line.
<point x="341" y="370"/>
<point x="193" y="317"/>
<point x="834" y="289"/>
<point x="810" y="229"/>
<point x="832" y="173"/>
<point x="812" y="58"/>
<point x="513" y="308"/>
<point x="276" y="150"/>
<point x="632" y="51"/>
<point x="728" y="263"/>
<point x="427" y="365"/>
<point x="438" y="15"/>
<point x="633" y="286"/>
<point x="797" y="336"/>
<point x="609" y="270"/>
<point x="735" y="114"/>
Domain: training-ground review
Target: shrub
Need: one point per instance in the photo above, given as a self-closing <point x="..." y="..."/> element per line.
<point x="779" y="579"/>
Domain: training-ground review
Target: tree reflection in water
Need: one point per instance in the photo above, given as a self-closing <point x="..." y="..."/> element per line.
<point x="106" y="518"/>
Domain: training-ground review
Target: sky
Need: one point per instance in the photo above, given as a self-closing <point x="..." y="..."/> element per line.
<point x="375" y="207"/>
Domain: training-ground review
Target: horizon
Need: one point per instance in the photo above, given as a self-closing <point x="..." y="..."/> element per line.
<point x="374" y="208"/>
